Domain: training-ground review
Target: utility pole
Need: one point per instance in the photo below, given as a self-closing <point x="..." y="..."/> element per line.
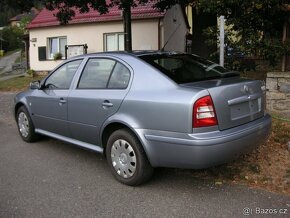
<point x="222" y="40"/>
<point x="127" y="27"/>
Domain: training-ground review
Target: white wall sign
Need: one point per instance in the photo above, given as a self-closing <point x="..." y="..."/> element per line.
<point x="75" y="50"/>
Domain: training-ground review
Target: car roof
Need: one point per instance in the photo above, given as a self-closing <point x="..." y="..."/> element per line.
<point x="149" y="52"/>
<point x="136" y="53"/>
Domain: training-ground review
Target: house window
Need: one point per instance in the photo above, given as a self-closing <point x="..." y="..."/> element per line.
<point x="114" y="41"/>
<point x="56" y="45"/>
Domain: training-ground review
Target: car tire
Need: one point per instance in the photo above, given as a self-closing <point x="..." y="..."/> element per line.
<point x="127" y="158"/>
<point x="25" y="125"/>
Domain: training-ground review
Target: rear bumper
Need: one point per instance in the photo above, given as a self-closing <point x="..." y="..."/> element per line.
<point x="167" y="149"/>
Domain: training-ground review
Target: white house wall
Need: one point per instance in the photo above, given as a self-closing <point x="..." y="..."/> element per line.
<point x="144" y="36"/>
<point x="175" y="30"/>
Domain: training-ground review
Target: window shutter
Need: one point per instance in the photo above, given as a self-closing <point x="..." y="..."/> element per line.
<point x="42" y="53"/>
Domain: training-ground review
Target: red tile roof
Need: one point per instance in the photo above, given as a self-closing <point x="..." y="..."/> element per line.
<point x="46" y="18"/>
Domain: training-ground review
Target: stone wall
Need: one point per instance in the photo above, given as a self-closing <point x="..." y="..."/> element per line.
<point x="41" y="73"/>
<point x="278" y="92"/>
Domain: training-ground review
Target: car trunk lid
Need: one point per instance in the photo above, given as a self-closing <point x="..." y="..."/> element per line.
<point x="237" y="101"/>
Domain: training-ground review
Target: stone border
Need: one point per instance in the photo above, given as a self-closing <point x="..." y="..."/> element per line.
<point x="278" y="92"/>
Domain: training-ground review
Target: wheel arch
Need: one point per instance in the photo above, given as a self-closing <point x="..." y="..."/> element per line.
<point x="17" y="106"/>
<point x="114" y="126"/>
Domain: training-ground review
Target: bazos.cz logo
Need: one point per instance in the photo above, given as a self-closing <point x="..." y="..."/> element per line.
<point x="264" y="211"/>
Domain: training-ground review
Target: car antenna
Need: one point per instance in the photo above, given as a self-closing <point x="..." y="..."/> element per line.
<point x="162" y="49"/>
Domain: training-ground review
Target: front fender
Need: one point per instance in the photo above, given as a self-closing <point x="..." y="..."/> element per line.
<point x="19" y="100"/>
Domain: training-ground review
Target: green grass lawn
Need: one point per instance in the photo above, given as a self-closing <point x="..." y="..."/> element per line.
<point x="17" y="84"/>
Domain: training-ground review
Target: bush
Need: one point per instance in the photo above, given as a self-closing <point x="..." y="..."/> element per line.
<point x="30" y="73"/>
<point x="12" y="38"/>
<point x="57" y="56"/>
<point x="274" y="49"/>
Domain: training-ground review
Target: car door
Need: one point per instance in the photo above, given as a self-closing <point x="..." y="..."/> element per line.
<point x="49" y="104"/>
<point x="99" y="93"/>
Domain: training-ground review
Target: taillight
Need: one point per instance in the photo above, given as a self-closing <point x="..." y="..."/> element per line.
<point x="204" y="113"/>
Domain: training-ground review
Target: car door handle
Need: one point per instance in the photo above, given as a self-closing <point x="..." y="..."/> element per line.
<point x="107" y="104"/>
<point x="62" y="101"/>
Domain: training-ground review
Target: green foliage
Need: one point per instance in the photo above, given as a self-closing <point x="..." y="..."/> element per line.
<point x="12" y="38"/>
<point x="65" y="12"/>
<point x="18" y="83"/>
<point x="30" y="72"/>
<point x="274" y="49"/>
<point x="163" y="5"/>
<point x="256" y="24"/>
<point x="6" y="14"/>
<point x="11" y="8"/>
<point x="21" y="5"/>
<point x="57" y="56"/>
<point x="23" y="23"/>
<point x="12" y="35"/>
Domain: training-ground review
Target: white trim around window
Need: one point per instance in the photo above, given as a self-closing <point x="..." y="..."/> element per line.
<point x="56" y="45"/>
<point x="114" y="42"/>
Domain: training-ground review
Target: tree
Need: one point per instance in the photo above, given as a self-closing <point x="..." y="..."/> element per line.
<point x="65" y="10"/>
<point x="254" y="26"/>
<point x="10" y="8"/>
<point x="22" y="5"/>
<point x="12" y="38"/>
<point x="256" y="23"/>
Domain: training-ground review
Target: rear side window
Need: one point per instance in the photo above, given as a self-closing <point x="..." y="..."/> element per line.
<point x="104" y="74"/>
<point x="120" y="77"/>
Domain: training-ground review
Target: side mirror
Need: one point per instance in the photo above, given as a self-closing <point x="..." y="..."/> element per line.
<point x="35" y="85"/>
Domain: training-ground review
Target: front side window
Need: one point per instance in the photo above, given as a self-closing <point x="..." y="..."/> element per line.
<point x="62" y="77"/>
<point x="56" y="45"/>
<point x="114" y="41"/>
<point x="104" y="74"/>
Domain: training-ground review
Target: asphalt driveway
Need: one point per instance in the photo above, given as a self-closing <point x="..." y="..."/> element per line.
<point x="7" y="61"/>
<point x="51" y="178"/>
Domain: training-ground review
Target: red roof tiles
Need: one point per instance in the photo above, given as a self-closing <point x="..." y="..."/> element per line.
<point x="46" y="18"/>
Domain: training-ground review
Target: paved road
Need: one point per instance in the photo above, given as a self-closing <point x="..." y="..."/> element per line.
<point x="6" y="62"/>
<point x="55" y="179"/>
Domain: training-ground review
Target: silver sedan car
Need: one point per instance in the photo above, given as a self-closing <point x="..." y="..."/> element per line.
<point x="146" y="109"/>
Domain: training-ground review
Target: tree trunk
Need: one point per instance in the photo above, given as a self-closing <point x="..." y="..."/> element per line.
<point x="127" y="27"/>
<point x="284" y="38"/>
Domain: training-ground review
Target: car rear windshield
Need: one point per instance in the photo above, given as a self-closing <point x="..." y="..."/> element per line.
<point x="186" y="68"/>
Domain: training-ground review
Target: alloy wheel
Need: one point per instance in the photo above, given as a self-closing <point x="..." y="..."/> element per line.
<point x="23" y="124"/>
